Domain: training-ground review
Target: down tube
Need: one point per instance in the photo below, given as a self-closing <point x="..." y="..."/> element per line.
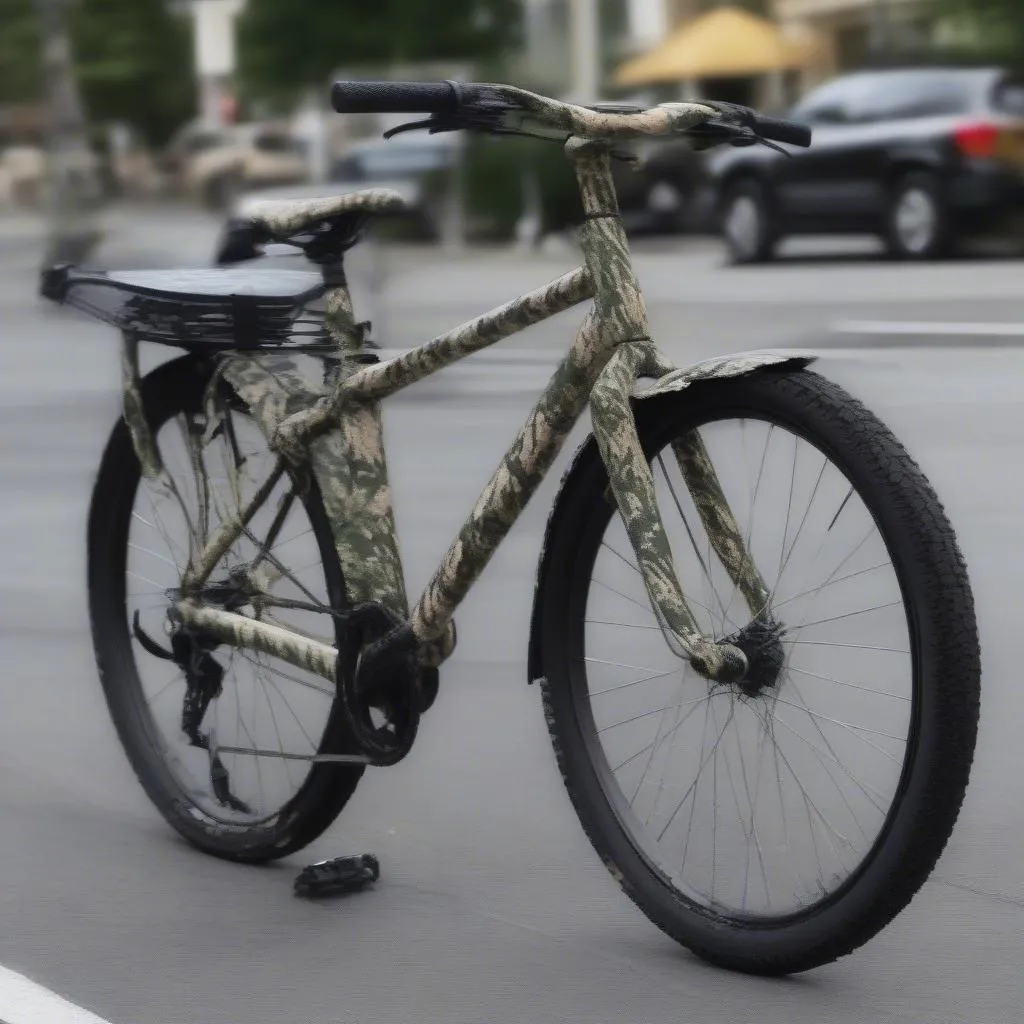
<point x="514" y="482"/>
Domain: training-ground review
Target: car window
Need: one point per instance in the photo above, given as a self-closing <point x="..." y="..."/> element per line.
<point x="199" y="143"/>
<point x="276" y="144"/>
<point x="914" y="94"/>
<point x="1009" y="97"/>
<point x="866" y="98"/>
<point x="830" y="103"/>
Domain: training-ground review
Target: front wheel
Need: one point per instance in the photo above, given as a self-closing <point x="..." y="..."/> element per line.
<point x="773" y="825"/>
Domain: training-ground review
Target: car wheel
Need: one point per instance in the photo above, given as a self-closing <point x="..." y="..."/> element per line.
<point x="917" y="226"/>
<point x="746" y="224"/>
<point x="220" y="192"/>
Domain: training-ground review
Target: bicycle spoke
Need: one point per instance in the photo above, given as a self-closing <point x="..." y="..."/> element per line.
<point x="285" y="675"/>
<point x="842" y="579"/>
<point x="623" y="625"/>
<point x="693" y="540"/>
<point x="840" y="682"/>
<point x="647" y="714"/>
<point x="849" y="615"/>
<point x="632" y="682"/>
<point x="643" y="750"/>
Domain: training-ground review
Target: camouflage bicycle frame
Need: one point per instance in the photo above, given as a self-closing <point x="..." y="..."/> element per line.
<point x="337" y="432"/>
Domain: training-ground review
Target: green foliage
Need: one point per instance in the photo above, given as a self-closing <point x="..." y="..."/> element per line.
<point x="20" y="53"/>
<point x="133" y="59"/>
<point x="494" y="177"/>
<point x="990" y="30"/>
<point x="286" y="46"/>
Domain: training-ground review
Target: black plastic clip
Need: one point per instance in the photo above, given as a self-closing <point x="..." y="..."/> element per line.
<point x="341" y="875"/>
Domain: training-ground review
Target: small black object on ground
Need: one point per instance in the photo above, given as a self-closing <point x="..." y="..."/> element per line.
<point x="340" y="875"/>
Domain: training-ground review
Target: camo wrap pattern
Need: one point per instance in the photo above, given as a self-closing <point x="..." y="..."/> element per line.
<point x="616" y="291"/>
<point x="284" y="217"/>
<point x="699" y="472"/>
<point x="633" y="487"/>
<point x="293" y="433"/>
<point x="514" y="482"/>
<point x="593" y="124"/>
<point x="351" y="471"/>
<point x="134" y="415"/>
<point x="726" y="366"/>
<point x="340" y="321"/>
<point x="720" y="524"/>
<point x="217" y="545"/>
<point x="387" y="378"/>
<point x="241" y="631"/>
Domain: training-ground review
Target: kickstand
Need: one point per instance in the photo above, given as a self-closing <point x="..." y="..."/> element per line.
<point x="341" y="875"/>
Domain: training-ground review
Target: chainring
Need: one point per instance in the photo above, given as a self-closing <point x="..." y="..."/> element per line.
<point x="378" y="684"/>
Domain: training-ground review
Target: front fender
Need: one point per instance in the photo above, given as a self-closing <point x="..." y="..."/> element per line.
<point x="677" y="380"/>
<point x="726" y="366"/>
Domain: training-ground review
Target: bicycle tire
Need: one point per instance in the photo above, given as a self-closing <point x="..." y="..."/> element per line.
<point x="174" y="387"/>
<point x="946" y="672"/>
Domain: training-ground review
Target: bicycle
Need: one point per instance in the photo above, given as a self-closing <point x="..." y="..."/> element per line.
<point x="230" y="584"/>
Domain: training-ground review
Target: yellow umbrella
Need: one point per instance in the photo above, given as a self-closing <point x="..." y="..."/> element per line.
<point x="725" y="42"/>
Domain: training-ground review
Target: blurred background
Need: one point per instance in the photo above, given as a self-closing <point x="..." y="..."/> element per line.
<point x="199" y="104"/>
<point x="130" y="130"/>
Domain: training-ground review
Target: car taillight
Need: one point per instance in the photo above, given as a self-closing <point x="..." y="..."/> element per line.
<point x="977" y="140"/>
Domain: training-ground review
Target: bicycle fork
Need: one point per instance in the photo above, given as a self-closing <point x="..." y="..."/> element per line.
<point x="623" y="317"/>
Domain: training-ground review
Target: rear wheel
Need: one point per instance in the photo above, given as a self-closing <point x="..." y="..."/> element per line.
<point x="776" y="824"/>
<point x="254" y="791"/>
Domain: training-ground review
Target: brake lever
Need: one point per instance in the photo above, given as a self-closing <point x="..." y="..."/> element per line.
<point x="715" y="132"/>
<point x="434" y="123"/>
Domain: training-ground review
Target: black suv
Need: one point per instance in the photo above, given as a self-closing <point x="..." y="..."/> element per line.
<point x="918" y="156"/>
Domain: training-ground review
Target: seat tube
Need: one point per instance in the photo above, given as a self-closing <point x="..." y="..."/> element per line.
<point x="624" y="328"/>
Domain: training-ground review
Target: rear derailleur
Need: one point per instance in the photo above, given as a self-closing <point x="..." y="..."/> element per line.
<point x="204" y="676"/>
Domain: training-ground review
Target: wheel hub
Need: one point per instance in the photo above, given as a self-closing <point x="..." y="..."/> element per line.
<point x="761" y="642"/>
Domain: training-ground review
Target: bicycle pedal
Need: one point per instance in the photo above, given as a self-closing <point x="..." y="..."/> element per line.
<point x="340" y="875"/>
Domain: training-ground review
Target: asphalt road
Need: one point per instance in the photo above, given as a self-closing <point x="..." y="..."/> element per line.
<point x="492" y="906"/>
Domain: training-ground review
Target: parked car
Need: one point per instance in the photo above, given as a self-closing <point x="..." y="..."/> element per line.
<point x="214" y="165"/>
<point x="920" y="157"/>
<point x="400" y="164"/>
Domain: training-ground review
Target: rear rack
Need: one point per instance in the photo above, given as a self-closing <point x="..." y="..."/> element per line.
<point x="194" y="321"/>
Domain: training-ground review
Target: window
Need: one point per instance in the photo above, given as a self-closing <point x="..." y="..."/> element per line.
<point x="1009" y="97"/>
<point x="865" y="98"/>
<point x="915" y="94"/>
<point x="277" y="144"/>
<point x="832" y="103"/>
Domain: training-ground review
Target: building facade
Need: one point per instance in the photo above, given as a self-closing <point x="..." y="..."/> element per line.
<point x="850" y="31"/>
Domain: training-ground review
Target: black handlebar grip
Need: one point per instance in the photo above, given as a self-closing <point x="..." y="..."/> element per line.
<point x="783" y="131"/>
<point x="394" y="97"/>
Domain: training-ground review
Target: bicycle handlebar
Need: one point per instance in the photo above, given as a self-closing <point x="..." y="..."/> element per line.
<point x="394" y="97"/>
<point x="791" y="132"/>
<point x="486" y="107"/>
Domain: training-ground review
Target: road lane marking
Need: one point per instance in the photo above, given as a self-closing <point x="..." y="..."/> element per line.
<point x="23" y="1001"/>
<point x="924" y="328"/>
